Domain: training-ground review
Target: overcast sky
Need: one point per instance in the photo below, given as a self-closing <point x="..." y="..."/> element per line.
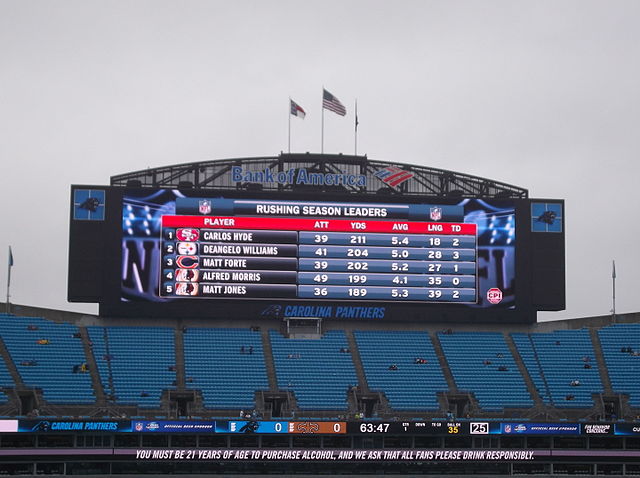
<point x="541" y="94"/>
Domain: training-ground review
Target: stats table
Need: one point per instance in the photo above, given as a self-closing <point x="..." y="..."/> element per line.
<point x="318" y="258"/>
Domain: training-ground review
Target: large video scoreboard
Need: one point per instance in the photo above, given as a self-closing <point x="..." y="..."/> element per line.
<point x="246" y="254"/>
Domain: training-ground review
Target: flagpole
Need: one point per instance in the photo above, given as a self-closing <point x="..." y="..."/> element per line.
<point x="355" y="147"/>
<point x="322" y="128"/>
<point x="8" y="308"/>
<point x="289" y="115"/>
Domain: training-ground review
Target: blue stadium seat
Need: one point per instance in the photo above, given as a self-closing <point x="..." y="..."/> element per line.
<point x="554" y="360"/>
<point x="623" y="367"/>
<point x="412" y="386"/>
<point x="321" y="376"/>
<point x="227" y="378"/>
<point x="494" y="389"/>
<point x="53" y="372"/>
<point x="139" y="365"/>
<point x="5" y="380"/>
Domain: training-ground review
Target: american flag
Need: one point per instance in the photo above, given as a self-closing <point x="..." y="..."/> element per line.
<point x="332" y="103"/>
<point x="296" y="110"/>
<point x="393" y="176"/>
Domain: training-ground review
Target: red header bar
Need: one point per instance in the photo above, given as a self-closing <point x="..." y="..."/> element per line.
<point x="328" y="225"/>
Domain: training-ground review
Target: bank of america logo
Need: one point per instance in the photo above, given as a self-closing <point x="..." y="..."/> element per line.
<point x="393" y="176"/>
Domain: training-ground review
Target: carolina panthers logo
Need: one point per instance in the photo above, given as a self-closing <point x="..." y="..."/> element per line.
<point x="274" y="310"/>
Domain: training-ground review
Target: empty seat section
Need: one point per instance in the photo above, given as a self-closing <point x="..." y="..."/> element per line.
<point x="315" y="369"/>
<point x="5" y="377"/>
<point x="409" y="385"/>
<point x="482" y="363"/>
<point x="45" y="354"/>
<point x="621" y="348"/>
<point x="136" y="360"/>
<point x="558" y="359"/>
<point x="227" y="365"/>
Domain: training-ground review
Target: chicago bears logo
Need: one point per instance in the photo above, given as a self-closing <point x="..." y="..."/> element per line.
<point x="187" y="262"/>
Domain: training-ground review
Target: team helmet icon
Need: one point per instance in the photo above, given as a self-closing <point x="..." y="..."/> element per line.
<point x="187" y="248"/>
<point x="186" y="288"/>
<point x="187" y="275"/>
<point x="187" y="262"/>
<point x="188" y="234"/>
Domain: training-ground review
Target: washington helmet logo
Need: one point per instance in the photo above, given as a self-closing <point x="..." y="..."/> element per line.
<point x="435" y="213"/>
<point x="187" y="275"/>
<point x="186" y="288"/>
<point x="393" y="176"/>
<point x="204" y="206"/>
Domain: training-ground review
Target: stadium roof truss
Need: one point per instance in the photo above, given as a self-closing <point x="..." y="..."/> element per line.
<point x="216" y="175"/>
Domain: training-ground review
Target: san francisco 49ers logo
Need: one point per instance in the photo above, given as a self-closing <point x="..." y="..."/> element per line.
<point x="188" y="234"/>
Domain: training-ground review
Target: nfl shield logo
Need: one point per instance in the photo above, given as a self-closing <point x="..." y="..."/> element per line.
<point x="507" y="428"/>
<point x="436" y="213"/>
<point x="205" y="206"/>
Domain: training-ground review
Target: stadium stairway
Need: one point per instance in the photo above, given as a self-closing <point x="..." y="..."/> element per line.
<point x="444" y="365"/>
<point x="602" y="366"/>
<point x="533" y="391"/>
<point x="101" y="399"/>
<point x="357" y="362"/>
<point x="179" y="359"/>
<point x="545" y="382"/>
<point x="268" y="360"/>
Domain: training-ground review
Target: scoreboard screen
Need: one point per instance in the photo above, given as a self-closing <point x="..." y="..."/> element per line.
<point x="247" y="254"/>
<point x="230" y="248"/>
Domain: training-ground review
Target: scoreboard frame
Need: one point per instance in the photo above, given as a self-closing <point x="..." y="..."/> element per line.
<point x="103" y="262"/>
